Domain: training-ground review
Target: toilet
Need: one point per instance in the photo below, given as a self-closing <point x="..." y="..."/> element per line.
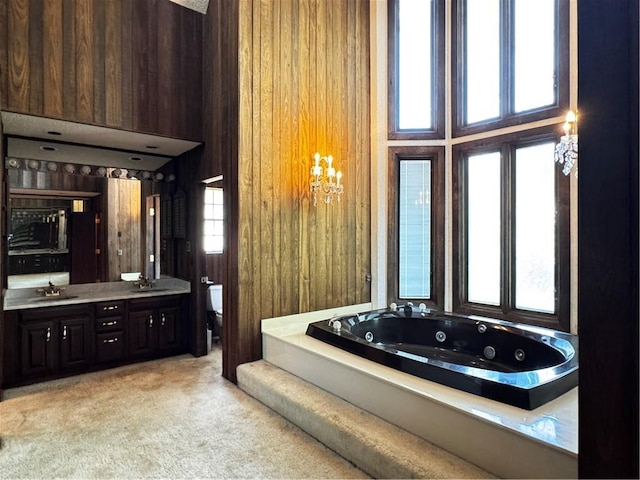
<point x="214" y="307"/>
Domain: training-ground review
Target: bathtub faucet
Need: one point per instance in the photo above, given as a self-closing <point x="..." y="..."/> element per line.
<point x="408" y="308"/>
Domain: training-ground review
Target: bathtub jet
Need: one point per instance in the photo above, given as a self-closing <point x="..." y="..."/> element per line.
<point x="520" y="365"/>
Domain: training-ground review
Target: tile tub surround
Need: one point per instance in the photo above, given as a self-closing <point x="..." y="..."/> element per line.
<point x="507" y="441"/>
<point x="25" y="298"/>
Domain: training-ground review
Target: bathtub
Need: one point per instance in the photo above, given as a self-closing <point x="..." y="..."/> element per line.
<point x="516" y="364"/>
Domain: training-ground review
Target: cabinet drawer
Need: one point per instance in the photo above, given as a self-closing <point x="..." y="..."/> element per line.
<point x="104" y="309"/>
<point x="107" y="324"/>
<point x="109" y="346"/>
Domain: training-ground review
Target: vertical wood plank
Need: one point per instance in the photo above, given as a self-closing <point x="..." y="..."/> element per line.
<point x="113" y="89"/>
<point x="84" y="60"/>
<point x="36" y="49"/>
<point x="99" y="61"/>
<point x="264" y="159"/>
<point x="165" y="77"/>
<point x="304" y="152"/>
<point x="152" y="66"/>
<point x="69" y="80"/>
<point x="53" y="63"/>
<point x="4" y="50"/>
<point x="126" y="65"/>
<point x="18" y="42"/>
<point x="140" y="66"/>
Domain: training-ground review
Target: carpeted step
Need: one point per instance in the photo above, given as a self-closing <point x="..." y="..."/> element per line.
<point x="379" y="448"/>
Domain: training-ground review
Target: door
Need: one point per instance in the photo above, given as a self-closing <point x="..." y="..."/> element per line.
<point x="142" y="332"/>
<point x="75" y="342"/>
<point x="38" y="348"/>
<point x="169" y="328"/>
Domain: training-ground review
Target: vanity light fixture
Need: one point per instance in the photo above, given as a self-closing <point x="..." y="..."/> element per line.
<point x="566" y="152"/>
<point x="325" y="182"/>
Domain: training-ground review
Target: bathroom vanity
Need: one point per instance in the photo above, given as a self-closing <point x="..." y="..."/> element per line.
<point x="90" y="327"/>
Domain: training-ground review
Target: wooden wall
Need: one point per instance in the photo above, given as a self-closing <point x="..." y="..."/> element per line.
<point x="304" y="87"/>
<point x="129" y="64"/>
<point x="608" y="239"/>
<point x="124" y="228"/>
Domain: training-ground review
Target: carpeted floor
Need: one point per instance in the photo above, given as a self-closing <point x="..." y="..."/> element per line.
<point x="171" y="418"/>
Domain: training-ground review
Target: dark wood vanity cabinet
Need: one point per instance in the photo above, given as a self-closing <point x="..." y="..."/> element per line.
<point x="110" y="331"/>
<point x="50" y="342"/>
<point x="55" y="340"/>
<point x="154" y="326"/>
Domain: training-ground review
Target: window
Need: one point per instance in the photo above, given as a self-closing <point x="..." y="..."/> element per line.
<point x="508" y="211"/>
<point x="511" y="230"/>
<point x="213" y="220"/>
<point x="418" y="234"/>
<point x="513" y="62"/>
<point x="416" y="61"/>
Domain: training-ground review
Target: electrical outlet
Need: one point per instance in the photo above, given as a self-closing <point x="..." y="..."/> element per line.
<point x="119" y="252"/>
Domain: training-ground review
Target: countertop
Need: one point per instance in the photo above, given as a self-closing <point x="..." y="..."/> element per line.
<point x="25" y="298"/>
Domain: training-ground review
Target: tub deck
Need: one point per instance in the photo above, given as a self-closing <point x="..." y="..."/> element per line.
<point x="505" y="440"/>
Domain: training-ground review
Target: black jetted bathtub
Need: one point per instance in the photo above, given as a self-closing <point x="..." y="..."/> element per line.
<point x="516" y="364"/>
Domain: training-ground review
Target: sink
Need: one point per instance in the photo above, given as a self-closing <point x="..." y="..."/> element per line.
<point x="143" y="290"/>
<point x="53" y="298"/>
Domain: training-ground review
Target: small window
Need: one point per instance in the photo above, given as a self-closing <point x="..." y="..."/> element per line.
<point x="416" y="243"/>
<point x="213" y="220"/>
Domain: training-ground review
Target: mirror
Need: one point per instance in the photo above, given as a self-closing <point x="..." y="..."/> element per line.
<point x="72" y="223"/>
<point x="75" y="236"/>
<point x="105" y="180"/>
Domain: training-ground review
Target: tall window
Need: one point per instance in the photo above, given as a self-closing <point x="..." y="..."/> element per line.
<point x="511" y="230"/>
<point x="416" y="61"/>
<point x="213" y="220"/>
<point x="512" y="62"/>
<point x="509" y="74"/>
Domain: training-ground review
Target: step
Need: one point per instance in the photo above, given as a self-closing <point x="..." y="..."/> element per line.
<point x="380" y="449"/>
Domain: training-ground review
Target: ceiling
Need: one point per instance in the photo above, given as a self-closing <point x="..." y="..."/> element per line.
<point x="84" y="144"/>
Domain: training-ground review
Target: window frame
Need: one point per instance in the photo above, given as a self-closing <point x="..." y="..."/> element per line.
<point x="437" y="79"/>
<point x="436" y="155"/>
<point x="507" y="144"/>
<point x="507" y="117"/>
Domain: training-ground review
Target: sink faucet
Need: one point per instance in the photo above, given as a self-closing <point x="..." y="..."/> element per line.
<point x="51" y="290"/>
<point x="144" y="282"/>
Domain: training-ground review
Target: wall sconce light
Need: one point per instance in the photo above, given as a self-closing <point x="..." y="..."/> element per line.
<point x="566" y="152"/>
<point x="325" y="183"/>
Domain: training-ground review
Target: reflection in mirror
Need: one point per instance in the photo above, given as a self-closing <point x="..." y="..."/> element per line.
<point x="67" y="228"/>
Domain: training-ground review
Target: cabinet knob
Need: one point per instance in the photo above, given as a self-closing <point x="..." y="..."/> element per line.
<point x="162" y="319"/>
<point x="48" y="334"/>
<point x="64" y="332"/>
<point x="150" y="321"/>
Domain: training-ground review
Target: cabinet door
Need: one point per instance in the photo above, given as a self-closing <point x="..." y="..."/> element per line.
<point x="75" y="342"/>
<point x="142" y="332"/>
<point x="38" y="348"/>
<point x="169" y="329"/>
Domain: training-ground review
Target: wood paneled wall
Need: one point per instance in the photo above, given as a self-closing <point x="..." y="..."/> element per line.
<point x="129" y="64"/>
<point x="303" y="87"/>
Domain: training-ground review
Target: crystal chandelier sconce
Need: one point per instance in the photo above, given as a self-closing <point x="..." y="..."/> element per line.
<point x="566" y="153"/>
<point x="325" y="182"/>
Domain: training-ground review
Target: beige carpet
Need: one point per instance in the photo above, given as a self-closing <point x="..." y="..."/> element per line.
<point x="171" y="418"/>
